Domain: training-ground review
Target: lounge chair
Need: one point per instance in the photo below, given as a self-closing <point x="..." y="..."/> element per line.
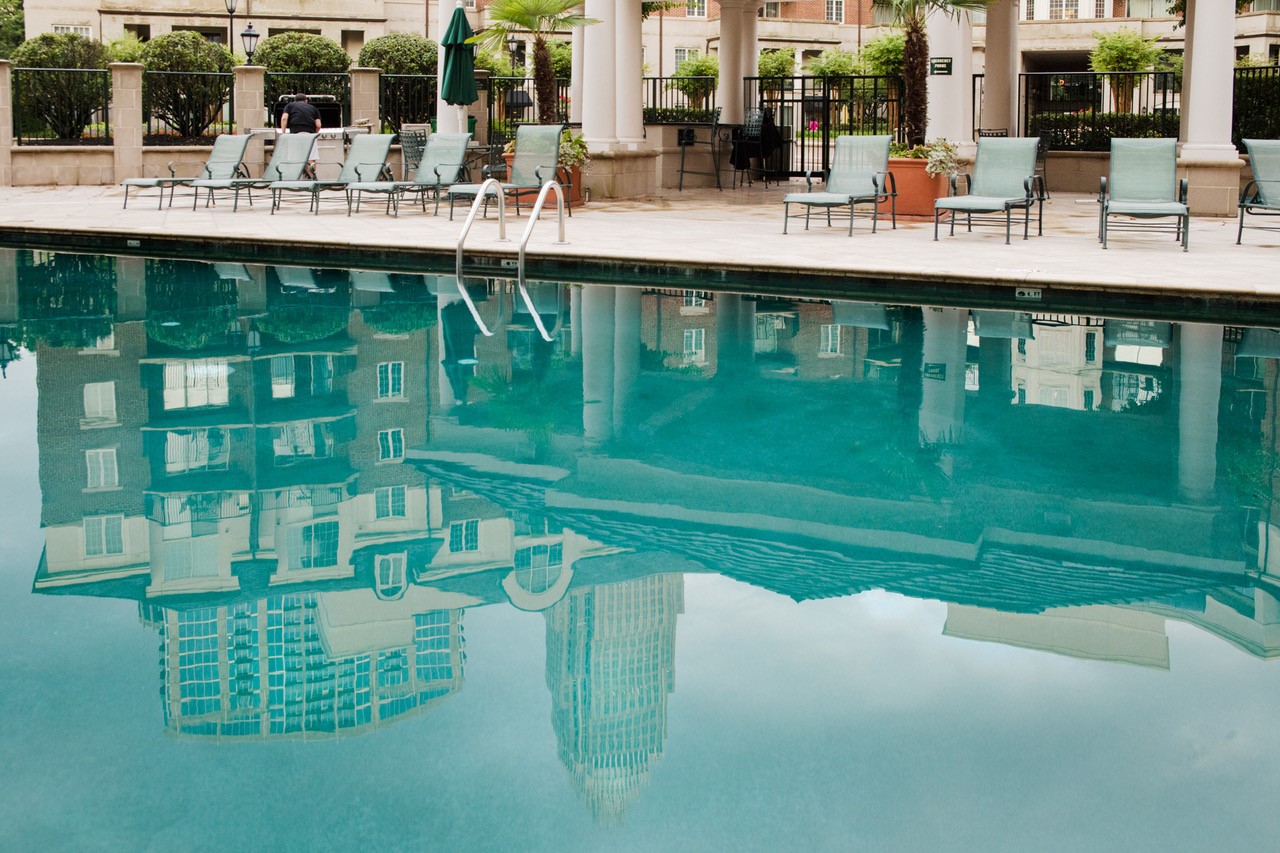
<point x="366" y="161"/>
<point x="225" y="161"/>
<point x="1144" y="185"/>
<point x="859" y="174"/>
<point x="1004" y="179"/>
<point x="439" y="166"/>
<point x="536" y="161"/>
<point x="1261" y="197"/>
<point x="289" y="159"/>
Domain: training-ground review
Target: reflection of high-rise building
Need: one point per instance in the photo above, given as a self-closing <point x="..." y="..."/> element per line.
<point x="610" y="668"/>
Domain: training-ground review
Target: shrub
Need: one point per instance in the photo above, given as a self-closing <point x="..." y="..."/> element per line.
<point x="833" y="62"/>
<point x="774" y="66"/>
<point x="496" y="64"/>
<point x="12" y="26"/>
<point x="689" y="78"/>
<point x="1088" y="131"/>
<point x="400" y="53"/>
<point x="302" y="53"/>
<point x="186" y="103"/>
<point x="882" y="56"/>
<point x="126" y="48"/>
<point x="561" y="59"/>
<point x="1119" y="53"/>
<point x="65" y="103"/>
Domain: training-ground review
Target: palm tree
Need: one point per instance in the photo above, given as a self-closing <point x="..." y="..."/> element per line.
<point x="910" y="15"/>
<point x="541" y="18"/>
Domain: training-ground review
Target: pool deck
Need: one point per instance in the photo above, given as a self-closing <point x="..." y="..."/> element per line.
<point x="734" y="229"/>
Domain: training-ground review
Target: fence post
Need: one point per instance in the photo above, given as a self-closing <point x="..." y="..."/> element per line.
<point x="365" y="103"/>
<point x="126" y="119"/>
<point x="480" y="109"/>
<point x="249" y="100"/>
<point x="6" y="123"/>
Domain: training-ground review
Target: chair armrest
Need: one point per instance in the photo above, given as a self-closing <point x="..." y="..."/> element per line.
<point x="1102" y="188"/>
<point x="537" y="173"/>
<point x="487" y="170"/>
<point x="808" y="179"/>
<point x="891" y="183"/>
<point x="1182" y="190"/>
<point x="1029" y="184"/>
<point x="361" y="168"/>
<point x="954" y="183"/>
<point x="1249" y="193"/>
<point x="173" y="173"/>
<point x="1037" y="187"/>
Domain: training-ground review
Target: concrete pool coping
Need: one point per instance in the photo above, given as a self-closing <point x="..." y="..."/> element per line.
<point x="736" y="233"/>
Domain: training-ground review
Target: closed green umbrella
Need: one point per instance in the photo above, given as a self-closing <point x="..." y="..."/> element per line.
<point x="458" y="83"/>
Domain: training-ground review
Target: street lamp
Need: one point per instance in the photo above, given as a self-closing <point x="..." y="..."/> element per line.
<point x="512" y="44"/>
<point x="231" y="22"/>
<point x="249" y="38"/>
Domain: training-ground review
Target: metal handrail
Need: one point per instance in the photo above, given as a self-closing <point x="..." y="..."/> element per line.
<point x="537" y="318"/>
<point x="533" y="221"/>
<point x="462" y="238"/>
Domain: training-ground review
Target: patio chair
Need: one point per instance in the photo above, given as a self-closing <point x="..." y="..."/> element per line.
<point x="225" y="161"/>
<point x="439" y="166"/>
<point x="1144" y="185"/>
<point x="289" y="159"/>
<point x="859" y="174"/>
<point x="536" y="161"/>
<point x="1003" y="180"/>
<point x="1261" y="196"/>
<point x="366" y="161"/>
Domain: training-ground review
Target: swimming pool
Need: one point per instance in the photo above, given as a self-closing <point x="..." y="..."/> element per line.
<point x="301" y="557"/>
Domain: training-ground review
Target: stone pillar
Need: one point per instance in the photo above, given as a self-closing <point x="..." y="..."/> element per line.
<point x="729" y="91"/>
<point x="446" y="296"/>
<point x="1199" y="389"/>
<point x="6" y="123"/>
<point x="575" y="319"/>
<point x="599" y="87"/>
<point x="576" y="41"/>
<point x="597" y="362"/>
<point x="1000" y="86"/>
<point x="8" y="285"/>
<point x="951" y="95"/>
<point x="626" y="355"/>
<point x="251" y="111"/>
<point x="131" y="288"/>
<point x="945" y="349"/>
<point x="735" y="334"/>
<point x="126" y="119"/>
<point x="629" y="75"/>
<point x="995" y="371"/>
<point x="750" y="41"/>
<point x="449" y="118"/>
<point x="365" y="101"/>
<point x="1208" y="159"/>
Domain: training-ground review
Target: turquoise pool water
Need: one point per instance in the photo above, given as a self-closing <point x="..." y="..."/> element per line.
<point x="310" y="559"/>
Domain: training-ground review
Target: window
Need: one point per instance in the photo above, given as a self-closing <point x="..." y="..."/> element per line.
<point x="196" y="450"/>
<point x="1063" y="9"/>
<point x="1030" y="14"/>
<point x="390" y="379"/>
<point x="103" y="473"/>
<point x="390" y="445"/>
<point x="1088" y="401"/>
<point x="72" y="29"/>
<point x="695" y="345"/>
<point x="283" y="378"/>
<point x="313" y="546"/>
<point x="1091" y="346"/>
<point x="683" y="53"/>
<point x="390" y="576"/>
<point x="104" y="344"/>
<point x="1022" y="346"/>
<point x="835" y="10"/>
<point x="1100" y="8"/>
<point x="695" y="298"/>
<point x="100" y="402"/>
<point x="772" y="10"/>
<point x="191" y="558"/>
<point x="538" y="567"/>
<point x="300" y="441"/>
<point x="104" y="535"/>
<point x="830" y="341"/>
<point x="388" y="502"/>
<point x="464" y="536"/>
<point x="196" y="383"/>
<point x="696" y="9"/>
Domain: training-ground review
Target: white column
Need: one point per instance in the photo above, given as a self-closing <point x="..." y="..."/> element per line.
<point x="449" y="118"/>
<point x="575" y="75"/>
<point x="729" y="91"/>
<point x="575" y="319"/>
<point x="951" y="95"/>
<point x="1210" y="81"/>
<point x="446" y="295"/>
<point x="751" y="40"/>
<point x="1199" y="389"/>
<point x="597" y="362"/>
<point x="945" y="349"/>
<point x="599" y="116"/>
<point x="1000" y="85"/>
<point x="626" y="355"/>
<point x="630" y="75"/>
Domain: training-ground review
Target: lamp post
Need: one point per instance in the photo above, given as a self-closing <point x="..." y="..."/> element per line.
<point x="512" y="44"/>
<point x="231" y="22"/>
<point x="249" y="38"/>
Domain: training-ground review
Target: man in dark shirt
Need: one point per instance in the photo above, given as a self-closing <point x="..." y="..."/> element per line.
<point x="300" y="117"/>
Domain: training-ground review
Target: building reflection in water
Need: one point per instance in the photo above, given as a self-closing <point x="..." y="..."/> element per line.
<point x="305" y="477"/>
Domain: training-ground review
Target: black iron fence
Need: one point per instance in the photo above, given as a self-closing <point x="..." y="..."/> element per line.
<point x="406" y="99"/>
<point x="1084" y="111"/>
<point x="1256" y="104"/>
<point x="810" y="112"/>
<point x="61" y="106"/>
<point x="679" y="100"/>
<point x="512" y="102"/>
<point x="186" y="107"/>
<point x="336" y="85"/>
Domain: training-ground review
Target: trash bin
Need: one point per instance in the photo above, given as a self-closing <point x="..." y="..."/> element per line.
<point x="328" y="105"/>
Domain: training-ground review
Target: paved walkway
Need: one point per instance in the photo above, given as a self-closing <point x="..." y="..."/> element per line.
<point x="733" y="229"/>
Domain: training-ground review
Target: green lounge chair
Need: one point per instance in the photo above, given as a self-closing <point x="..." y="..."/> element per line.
<point x="225" y="161"/>
<point x="536" y="161"/>
<point x="1144" y="185"/>
<point x="1004" y="178"/>
<point x="366" y="161"/>
<point x="439" y="166"/>
<point x="1261" y="197"/>
<point x="289" y="159"/>
<point x="859" y="174"/>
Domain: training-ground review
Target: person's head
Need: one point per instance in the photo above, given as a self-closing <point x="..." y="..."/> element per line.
<point x="300" y="98"/>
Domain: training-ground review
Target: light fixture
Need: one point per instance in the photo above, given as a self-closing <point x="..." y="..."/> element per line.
<point x="249" y="38"/>
<point x="513" y="44"/>
<point x="231" y="22"/>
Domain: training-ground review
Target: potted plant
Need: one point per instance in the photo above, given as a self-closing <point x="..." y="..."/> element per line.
<point x="920" y="173"/>
<point x="574" y="158"/>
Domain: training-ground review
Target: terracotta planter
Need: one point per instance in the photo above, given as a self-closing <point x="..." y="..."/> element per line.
<point x="917" y="190"/>
<point x="575" y="177"/>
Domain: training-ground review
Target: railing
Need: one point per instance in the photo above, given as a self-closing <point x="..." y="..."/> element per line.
<point x="513" y="102"/>
<point x="406" y="99"/>
<point x="679" y="100"/>
<point x="184" y="107"/>
<point x="1256" y="104"/>
<point x="61" y="106"/>
<point x="1085" y="111"/>
<point x="338" y="85"/>
<point x="810" y="112"/>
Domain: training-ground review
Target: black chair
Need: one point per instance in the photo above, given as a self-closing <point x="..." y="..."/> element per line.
<point x="748" y="148"/>
<point x="687" y="137"/>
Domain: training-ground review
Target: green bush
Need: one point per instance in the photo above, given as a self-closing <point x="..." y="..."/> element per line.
<point x="62" y="102"/>
<point x="691" y="78"/>
<point x="882" y="56"/>
<point x="678" y="115"/>
<point x="12" y="26"/>
<point x="126" y="48"/>
<point x="188" y="103"/>
<point x="1119" y="54"/>
<point x="497" y="65"/>
<point x="834" y="62"/>
<point x="561" y="59"/>
<point x="774" y="66"/>
<point x="400" y="53"/>
<point x="301" y="53"/>
<point x="1087" y="131"/>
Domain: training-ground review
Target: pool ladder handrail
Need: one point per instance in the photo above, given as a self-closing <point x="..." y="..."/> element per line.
<point x="537" y="318"/>
<point x="533" y="222"/>
<point x="481" y="198"/>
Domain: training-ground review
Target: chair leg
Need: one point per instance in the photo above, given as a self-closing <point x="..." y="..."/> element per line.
<point x="850" y="220"/>
<point x="807" y="209"/>
<point x="1239" y="231"/>
<point x="952" y="217"/>
<point x="1008" y="223"/>
<point x="1103" y="226"/>
<point x="1186" y="232"/>
<point x="126" y="199"/>
<point x="936" y="215"/>
<point x="875" y="219"/>
<point x="786" y="216"/>
<point x="1026" y="222"/>
<point x="1040" y="218"/>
